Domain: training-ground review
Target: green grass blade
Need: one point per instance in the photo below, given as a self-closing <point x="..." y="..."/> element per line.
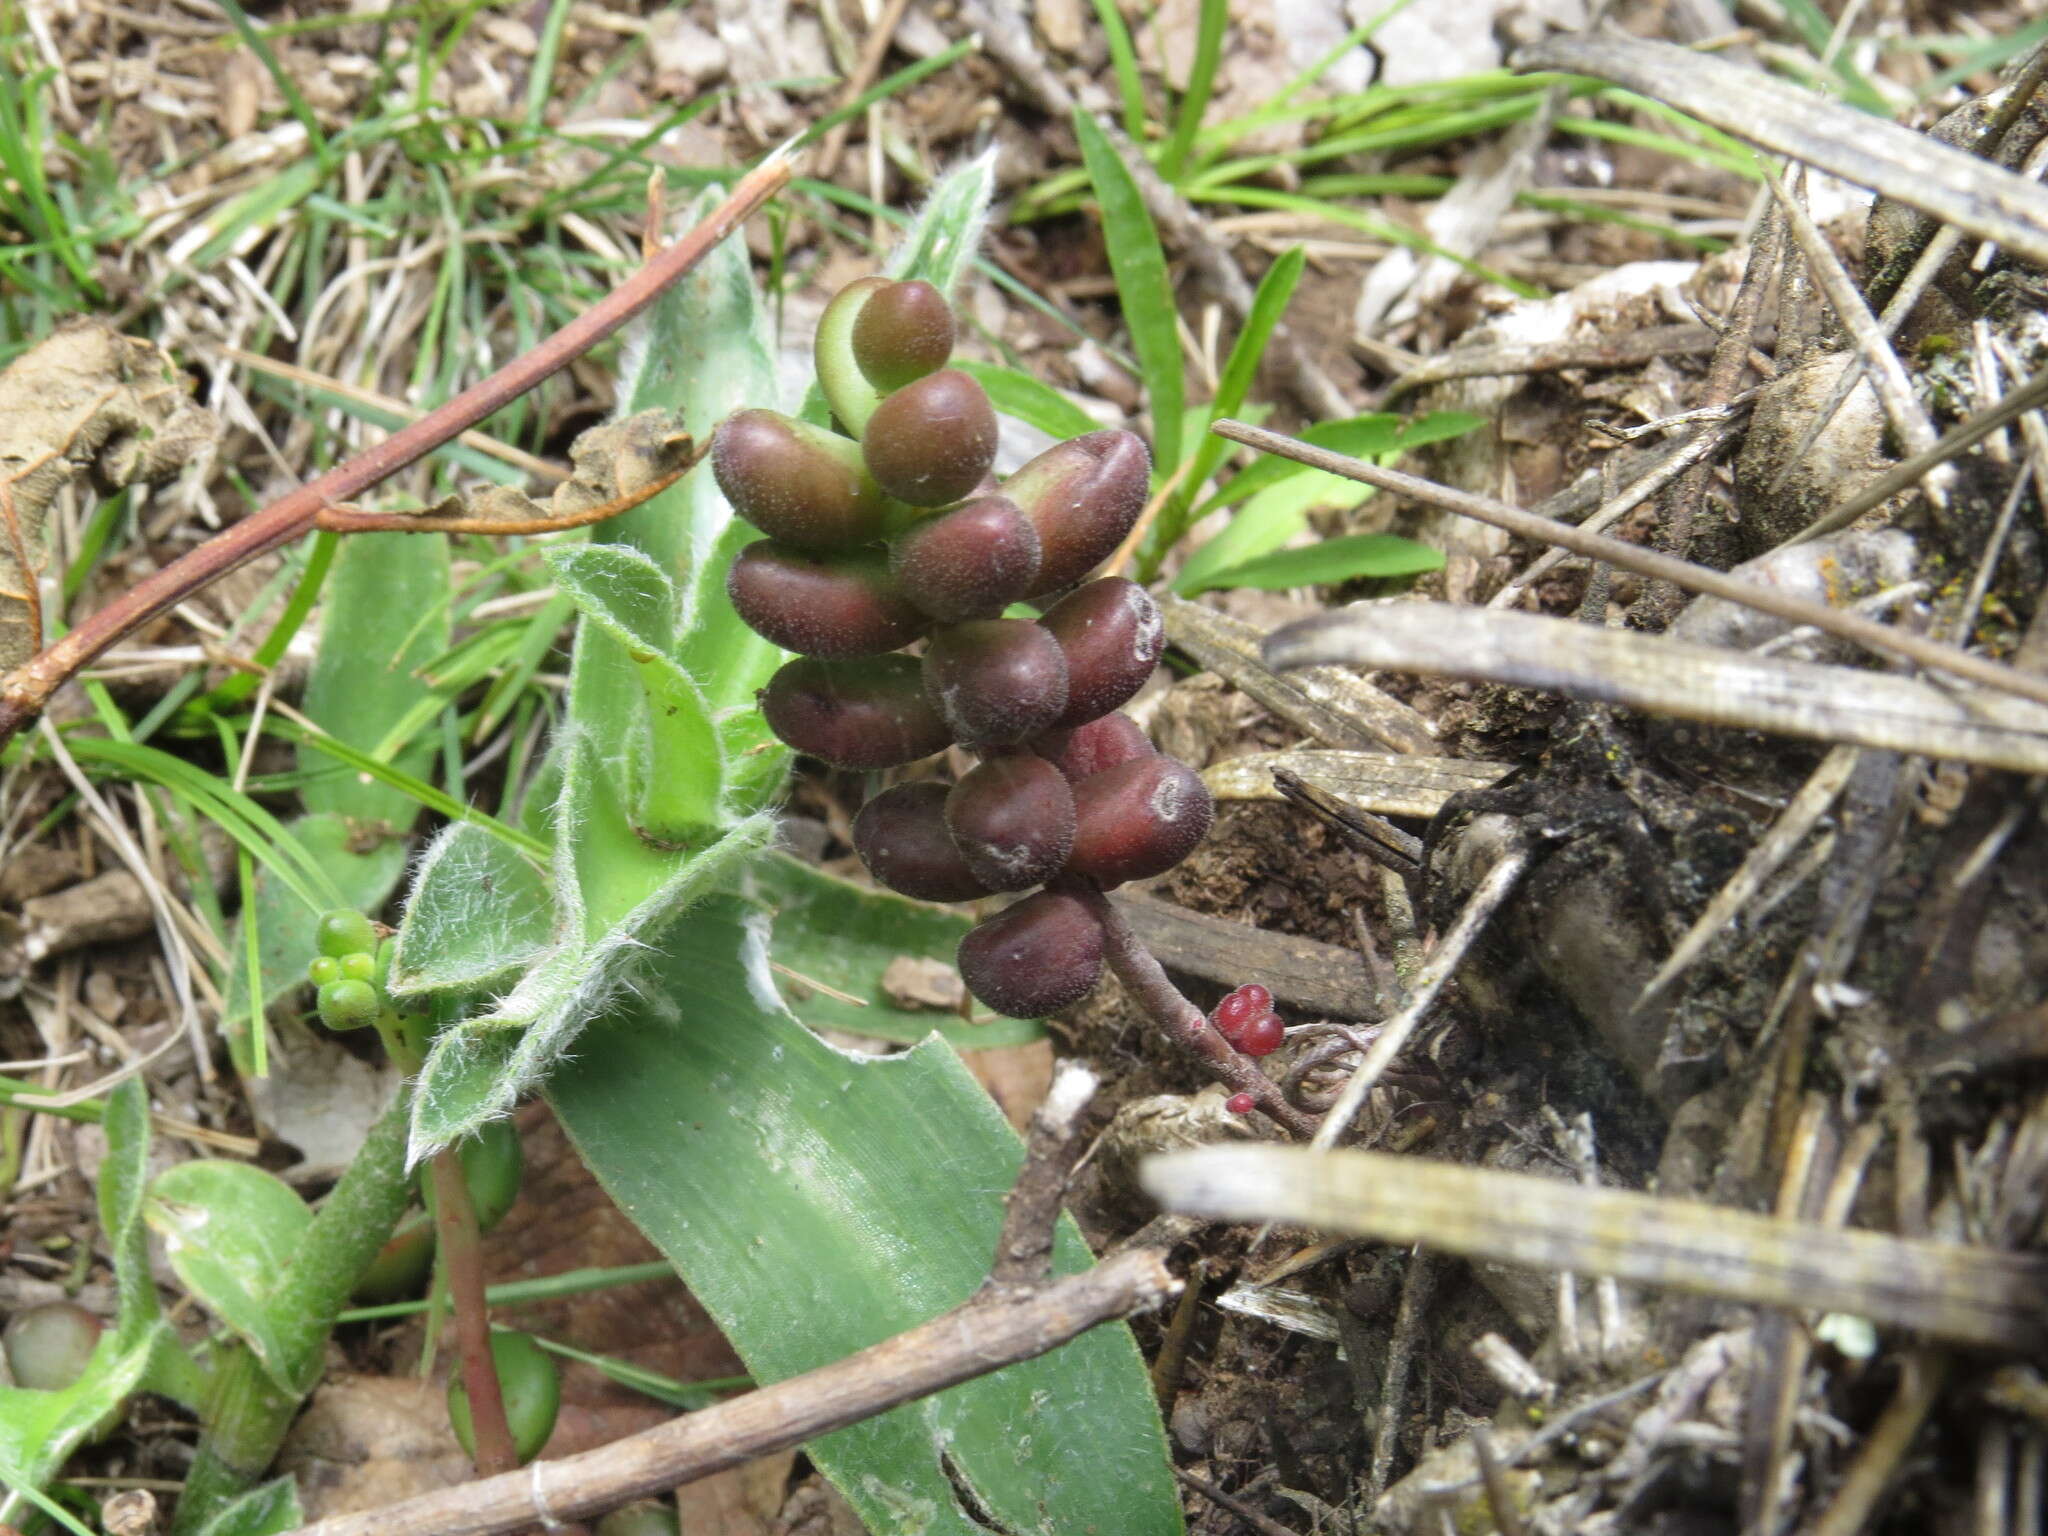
<point x="1029" y="400"/>
<point x="1239" y="369"/>
<point x="1123" y="59"/>
<point x="287" y="87"/>
<point x="1327" y="563"/>
<point x="1139" y="265"/>
<point x="540" y="84"/>
<point x="1209" y="28"/>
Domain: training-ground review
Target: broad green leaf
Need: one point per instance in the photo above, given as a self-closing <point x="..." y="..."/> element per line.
<point x="1028" y="400"/>
<point x="231" y="1232"/>
<point x="362" y="681"/>
<point x="268" y="1510"/>
<point x="285" y="926"/>
<point x="844" y="935"/>
<point x="1363" y="437"/>
<point x="478" y="912"/>
<point x="818" y="1202"/>
<point x="1142" y="287"/>
<point x="38" y="1430"/>
<point x="1329" y="562"/>
<point x="1266" y="522"/>
<point x="941" y="242"/>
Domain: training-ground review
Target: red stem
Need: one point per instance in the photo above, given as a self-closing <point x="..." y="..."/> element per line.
<point x="1185" y="1024"/>
<point x="462" y="1254"/>
<point x="28" y="688"/>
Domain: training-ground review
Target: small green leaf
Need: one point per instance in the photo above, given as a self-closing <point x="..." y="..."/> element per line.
<point x="1266" y="523"/>
<point x="478" y="911"/>
<point x="1242" y="366"/>
<point x="231" y="1232"/>
<point x="1329" y="562"/>
<point x="477" y="1069"/>
<point x="645" y="712"/>
<point x="1142" y="286"/>
<point x="845" y="935"/>
<point x="946" y="233"/>
<point x="1029" y="401"/>
<point x="268" y="1510"/>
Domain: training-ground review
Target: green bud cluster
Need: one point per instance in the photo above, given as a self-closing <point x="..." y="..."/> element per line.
<point x="892" y="534"/>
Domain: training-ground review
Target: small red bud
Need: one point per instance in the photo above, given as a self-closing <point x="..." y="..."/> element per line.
<point x="1262" y="1036"/>
<point x="1240" y="1103"/>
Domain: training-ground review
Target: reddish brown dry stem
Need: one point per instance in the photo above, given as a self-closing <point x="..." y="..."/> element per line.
<point x="1140" y="971"/>
<point x="462" y="1253"/>
<point x="28" y="688"/>
<point x="355" y="520"/>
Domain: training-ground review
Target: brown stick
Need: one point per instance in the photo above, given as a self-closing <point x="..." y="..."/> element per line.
<point x="997" y="1328"/>
<point x="462" y="1255"/>
<point x="1032" y="1211"/>
<point x="1631" y="557"/>
<point x="1140" y="971"/>
<point x="27" y="689"/>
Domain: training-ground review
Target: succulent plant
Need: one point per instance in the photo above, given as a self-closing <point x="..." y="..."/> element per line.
<point x="889" y="531"/>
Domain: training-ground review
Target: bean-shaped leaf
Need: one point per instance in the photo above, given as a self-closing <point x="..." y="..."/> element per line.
<point x="231" y="1231"/>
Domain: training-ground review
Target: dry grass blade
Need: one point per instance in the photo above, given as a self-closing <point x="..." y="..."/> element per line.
<point x="1385" y="784"/>
<point x="1663" y="676"/>
<point x="1680" y="573"/>
<point x="1798" y="818"/>
<point x="1951" y="184"/>
<point x="1337" y="710"/>
<point x="1964" y="1294"/>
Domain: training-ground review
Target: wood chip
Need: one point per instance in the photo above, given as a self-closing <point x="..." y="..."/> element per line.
<point x="1380" y="782"/>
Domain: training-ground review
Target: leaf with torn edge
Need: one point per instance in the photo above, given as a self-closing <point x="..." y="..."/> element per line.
<point x="1659" y="675"/>
<point x="231" y="1231"/>
<point x="817" y="1202"/>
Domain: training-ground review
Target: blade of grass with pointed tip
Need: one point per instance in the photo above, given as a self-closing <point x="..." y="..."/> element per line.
<point x="1242" y="366"/>
<point x="817" y="1202"/>
<point x="1143" y="288"/>
<point x="1327" y="563"/>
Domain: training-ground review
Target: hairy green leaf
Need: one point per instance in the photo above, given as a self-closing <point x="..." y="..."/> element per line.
<point x="478" y="912"/>
<point x="818" y="1202"/>
<point x="946" y="233"/>
<point x="231" y="1232"/>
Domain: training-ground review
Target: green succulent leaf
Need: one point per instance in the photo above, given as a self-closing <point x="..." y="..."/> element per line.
<point x="844" y="935"/>
<point x="479" y="911"/>
<point x="818" y="1202"/>
<point x="231" y="1232"/>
